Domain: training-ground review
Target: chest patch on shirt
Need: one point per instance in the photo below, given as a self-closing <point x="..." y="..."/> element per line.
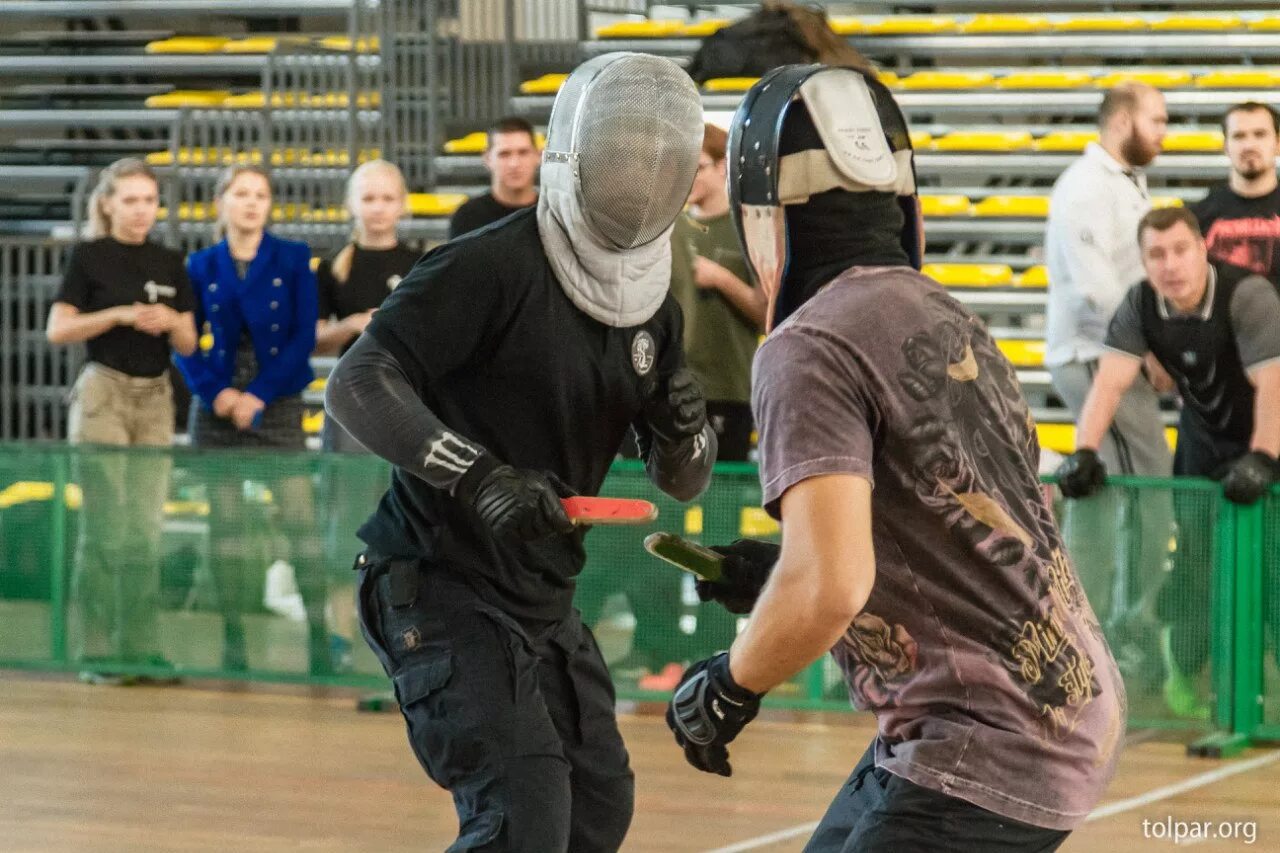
<point x="643" y="353"/>
<point x="155" y="291"/>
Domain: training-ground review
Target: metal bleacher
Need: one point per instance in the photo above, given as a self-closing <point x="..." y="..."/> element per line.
<point x="1001" y="95"/>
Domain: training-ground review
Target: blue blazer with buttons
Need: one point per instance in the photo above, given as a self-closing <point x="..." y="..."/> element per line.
<point x="277" y="301"/>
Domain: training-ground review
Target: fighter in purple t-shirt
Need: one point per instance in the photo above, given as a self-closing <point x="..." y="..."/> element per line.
<point x="945" y="593"/>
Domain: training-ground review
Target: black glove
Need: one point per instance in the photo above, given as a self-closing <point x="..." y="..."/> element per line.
<point x="679" y="410"/>
<point x="707" y="711"/>
<point x="1249" y="477"/>
<point x="746" y="567"/>
<point x="515" y="502"/>
<point x="1081" y="474"/>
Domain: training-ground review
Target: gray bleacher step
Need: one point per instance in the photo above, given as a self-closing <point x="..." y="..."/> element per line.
<point x="84" y="38"/>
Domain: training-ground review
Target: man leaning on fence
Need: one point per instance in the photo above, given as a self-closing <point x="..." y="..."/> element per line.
<point x="1216" y="330"/>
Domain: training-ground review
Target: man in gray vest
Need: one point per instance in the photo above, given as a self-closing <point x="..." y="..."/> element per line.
<point x="1216" y="330"/>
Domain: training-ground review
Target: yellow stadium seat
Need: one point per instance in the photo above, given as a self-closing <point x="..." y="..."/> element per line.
<point x="1269" y="24"/>
<point x="160" y="158"/>
<point x="908" y="25"/>
<point x="1027" y="206"/>
<point x="639" y="29"/>
<point x="435" y="204"/>
<point x="261" y="44"/>
<point x="1014" y="140"/>
<point x="947" y="80"/>
<point x="1023" y="353"/>
<point x="188" y="44"/>
<point x="363" y="45"/>
<point x="842" y="25"/>
<point x="31" y="491"/>
<point x="944" y="205"/>
<point x="701" y="29"/>
<point x="1060" y="438"/>
<point x="920" y="139"/>
<point x="1160" y="79"/>
<point x="1100" y="24"/>
<point x="1193" y="140"/>
<point x="187" y="98"/>
<point x="1166" y="201"/>
<point x="1036" y="277"/>
<point x="729" y="84"/>
<point x="1259" y="79"/>
<point x="889" y="78"/>
<point x="315" y="265"/>
<point x="756" y="523"/>
<point x="1005" y="24"/>
<point x="200" y="508"/>
<point x="970" y="275"/>
<point x="693" y="518"/>
<point x="1198" y="23"/>
<point x="1065" y="140"/>
<point x="547" y="84"/>
<point x="313" y="422"/>
<point x="1045" y="80"/>
<point x="319" y="382"/>
<point x="472" y="143"/>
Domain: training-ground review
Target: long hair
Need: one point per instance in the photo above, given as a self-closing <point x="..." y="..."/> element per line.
<point x="98" y="224"/>
<point x="225" y="180"/>
<point x="341" y="266"/>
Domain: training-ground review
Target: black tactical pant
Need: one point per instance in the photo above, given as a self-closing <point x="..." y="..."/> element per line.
<point x="878" y="812"/>
<point x="516" y="721"/>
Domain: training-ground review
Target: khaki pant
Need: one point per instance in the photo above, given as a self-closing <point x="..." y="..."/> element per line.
<point x="116" y="581"/>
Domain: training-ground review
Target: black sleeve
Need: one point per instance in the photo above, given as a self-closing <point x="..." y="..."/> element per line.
<point x="325" y="283"/>
<point x="682" y="468"/>
<point x="185" y="298"/>
<point x="1124" y="334"/>
<point x="74" y="289"/>
<point x="445" y="312"/>
<point x="1255" y="318"/>
<point x="371" y="395"/>
<point x="1205" y="211"/>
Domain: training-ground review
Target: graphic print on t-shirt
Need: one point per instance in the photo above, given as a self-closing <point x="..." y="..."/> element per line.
<point x="1248" y="243"/>
<point x="971" y="442"/>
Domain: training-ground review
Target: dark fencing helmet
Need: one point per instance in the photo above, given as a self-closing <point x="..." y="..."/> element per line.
<point x="821" y="178"/>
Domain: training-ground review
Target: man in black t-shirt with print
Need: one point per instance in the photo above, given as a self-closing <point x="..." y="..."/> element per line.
<point x="511" y="158"/>
<point x="1216" y="330"/>
<point x="1240" y="218"/>
<point x="500" y="376"/>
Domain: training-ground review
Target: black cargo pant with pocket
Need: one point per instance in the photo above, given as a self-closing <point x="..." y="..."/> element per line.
<point x="516" y="721"/>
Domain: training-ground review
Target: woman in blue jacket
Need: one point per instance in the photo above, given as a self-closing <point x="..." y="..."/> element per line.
<point x="256" y="309"/>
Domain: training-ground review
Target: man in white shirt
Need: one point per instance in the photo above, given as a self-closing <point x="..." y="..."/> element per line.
<point x="1093" y="257"/>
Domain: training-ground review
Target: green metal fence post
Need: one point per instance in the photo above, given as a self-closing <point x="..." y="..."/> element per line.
<point x="1249" y="639"/>
<point x="58" y="559"/>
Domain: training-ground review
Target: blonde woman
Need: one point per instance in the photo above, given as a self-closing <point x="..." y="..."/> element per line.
<point x="256" y="309"/>
<point x="130" y="302"/>
<point x="353" y="282"/>
<point x="355" y="279"/>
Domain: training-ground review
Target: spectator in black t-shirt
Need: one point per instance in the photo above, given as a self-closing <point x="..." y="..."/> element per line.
<point x="511" y="157"/>
<point x="1240" y="218"/>
<point x="1216" y="330"/>
<point x="353" y="282"/>
<point x="130" y="301"/>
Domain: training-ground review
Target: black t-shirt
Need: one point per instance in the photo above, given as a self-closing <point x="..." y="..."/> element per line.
<point x="1243" y="232"/>
<point x="499" y="353"/>
<point x="105" y="273"/>
<point x="477" y="212"/>
<point x="374" y="274"/>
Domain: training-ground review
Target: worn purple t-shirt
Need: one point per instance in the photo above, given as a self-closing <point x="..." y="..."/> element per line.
<point x="979" y="655"/>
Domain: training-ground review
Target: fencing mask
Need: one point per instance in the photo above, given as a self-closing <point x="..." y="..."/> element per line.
<point x="821" y="178"/>
<point x="622" y="150"/>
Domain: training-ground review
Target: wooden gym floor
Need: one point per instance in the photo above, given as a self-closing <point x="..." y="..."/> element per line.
<point x="234" y="768"/>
